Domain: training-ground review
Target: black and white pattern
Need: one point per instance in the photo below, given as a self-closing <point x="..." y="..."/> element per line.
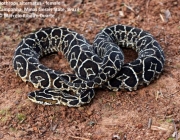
<point x="97" y="65"/>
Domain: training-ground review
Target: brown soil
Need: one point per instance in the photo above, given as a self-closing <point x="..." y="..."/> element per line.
<point x="150" y="113"/>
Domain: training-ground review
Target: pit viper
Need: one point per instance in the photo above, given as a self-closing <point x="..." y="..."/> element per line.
<point x="96" y="65"/>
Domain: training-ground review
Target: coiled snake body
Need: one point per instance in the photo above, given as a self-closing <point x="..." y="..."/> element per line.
<point x="97" y="65"/>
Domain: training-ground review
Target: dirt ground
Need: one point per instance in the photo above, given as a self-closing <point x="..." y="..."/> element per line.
<point x="150" y="113"/>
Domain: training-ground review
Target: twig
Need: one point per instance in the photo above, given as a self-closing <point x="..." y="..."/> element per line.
<point x="157" y="94"/>
<point x="147" y="4"/>
<point x="127" y="6"/>
<point x="162" y="18"/>
<point x="149" y="123"/>
<point x="175" y="131"/>
<point x="81" y="138"/>
<point x="130" y="100"/>
<point x="176" y="92"/>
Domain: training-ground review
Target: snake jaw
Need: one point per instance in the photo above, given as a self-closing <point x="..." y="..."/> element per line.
<point x="32" y="97"/>
<point x="40" y="99"/>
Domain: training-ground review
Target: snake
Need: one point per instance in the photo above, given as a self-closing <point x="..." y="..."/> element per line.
<point x="97" y="65"/>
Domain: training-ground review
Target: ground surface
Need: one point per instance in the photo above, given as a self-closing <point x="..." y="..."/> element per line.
<point x="150" y="113"/>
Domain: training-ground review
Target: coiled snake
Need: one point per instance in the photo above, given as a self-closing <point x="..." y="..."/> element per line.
<point x="97" y="65"/>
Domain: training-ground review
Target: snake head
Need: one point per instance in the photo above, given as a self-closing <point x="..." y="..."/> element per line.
<point x="41" y="98"/>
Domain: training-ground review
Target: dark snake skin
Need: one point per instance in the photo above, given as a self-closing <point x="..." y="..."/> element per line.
<point x="98" y="65"/>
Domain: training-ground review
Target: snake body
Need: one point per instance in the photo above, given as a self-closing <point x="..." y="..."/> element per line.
<point x="98" y="65"/>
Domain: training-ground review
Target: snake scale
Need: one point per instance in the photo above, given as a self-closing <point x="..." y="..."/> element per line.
<point x="96" y="65"/>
